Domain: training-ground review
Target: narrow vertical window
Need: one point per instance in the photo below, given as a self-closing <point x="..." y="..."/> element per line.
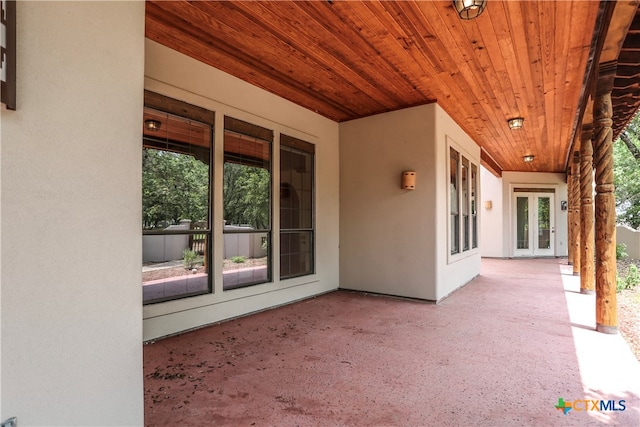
<point x="176" y="216"/>
<point x="247" y="204"/>
<point x="474" y="207"/>
<point x="296" y="207"/>
<point x="454" y="197"/>
<point x="464" y="190"/>
<point x="522" y="222"/>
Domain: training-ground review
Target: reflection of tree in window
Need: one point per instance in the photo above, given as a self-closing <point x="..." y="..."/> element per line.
<point x="176" y="177"/>
<point x="246" y="204"/>
<point x="246" y="195"/>
<point x="174" y="187"/>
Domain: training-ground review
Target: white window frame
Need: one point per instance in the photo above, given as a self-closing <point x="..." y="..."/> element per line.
<point x="462" y="253"/>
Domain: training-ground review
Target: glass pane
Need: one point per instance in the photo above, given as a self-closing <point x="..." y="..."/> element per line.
<point x="247" y="210"/>
<point x="296" y="254"/>
<point x="474" y="213"/>
<point x="454" y="197"/>
<point x="296" y="212"/>
<point x="247" y="196"/>
<point x="174" y="266"/>
<point x="544" y="223"/>
<point x="453" y="181"/>
<point x="522" y="223"/>
<point x="175" y="200"/>
<point x="455" y="234"/>
<point x="247" y="181"/>
<point x="464" y="189"/>
<point x="245" y="257"/>
<point x="175" y="188"/>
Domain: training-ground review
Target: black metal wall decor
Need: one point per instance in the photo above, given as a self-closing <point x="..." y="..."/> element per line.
<point x="8" y="53"/>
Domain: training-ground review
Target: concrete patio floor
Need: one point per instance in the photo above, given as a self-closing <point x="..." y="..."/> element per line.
<point x="499" y="352"/>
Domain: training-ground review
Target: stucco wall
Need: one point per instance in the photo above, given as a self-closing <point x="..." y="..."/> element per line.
<point x="395" y="241"/>
<point x="387" y="234"/>
<point x="70" y="183"/>
<point x="629" y="237"/>
<point x="172" y="74"/>
<point x="492" y="224"/>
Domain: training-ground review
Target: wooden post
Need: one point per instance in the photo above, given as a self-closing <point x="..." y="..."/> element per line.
<point x="575" y="219"/>
<point x="570" y="213"/>
<point x="605" y="213"/>
<point x="587" y="240"/>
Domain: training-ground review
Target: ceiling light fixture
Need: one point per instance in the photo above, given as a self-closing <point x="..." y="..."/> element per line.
<point x="516" y="122"/>
<point x="528" y="158"/>
<point x="152" y="125"/>
<point x="469" y="9"/>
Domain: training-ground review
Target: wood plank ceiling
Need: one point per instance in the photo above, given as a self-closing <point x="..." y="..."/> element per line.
<point x="351" y="59"/>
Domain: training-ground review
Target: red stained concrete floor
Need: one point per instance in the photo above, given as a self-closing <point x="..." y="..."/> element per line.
<point x="498" y="352"/>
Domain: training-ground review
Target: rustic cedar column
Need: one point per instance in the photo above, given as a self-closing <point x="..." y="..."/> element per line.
<point x="605" y="213"/>
<point x="587" y="240"/>
<point x="569" y="212"/>
<point x="575" y="219"/>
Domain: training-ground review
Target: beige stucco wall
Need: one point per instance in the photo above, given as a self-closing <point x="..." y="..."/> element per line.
<point x="504" y="199"/>
<point x="70" y="209"/>
<point x="492" y="226"/>
<point x="172" y="74"/>
<point x="395" y="241"/>
<point x="629" y="237"/>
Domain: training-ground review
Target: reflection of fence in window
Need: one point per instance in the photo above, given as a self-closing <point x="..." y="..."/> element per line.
<point x="198" y="242"/>
<point x="176" y="178"/>
<point x="173" y="268"/>
<point x="246" y="203"/>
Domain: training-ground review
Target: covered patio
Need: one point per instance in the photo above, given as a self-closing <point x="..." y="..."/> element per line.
<point x="326" y="105"/>
<point x="501" y="351"/>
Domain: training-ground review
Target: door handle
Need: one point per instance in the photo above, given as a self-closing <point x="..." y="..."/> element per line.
<point x="553" y="229"/>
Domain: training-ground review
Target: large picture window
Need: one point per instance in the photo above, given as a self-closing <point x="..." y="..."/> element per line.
<point x="176" y="188"/>
<point x="296" y="207"/>
<point x="247" y="204"/>
<point x="463" y="189"/>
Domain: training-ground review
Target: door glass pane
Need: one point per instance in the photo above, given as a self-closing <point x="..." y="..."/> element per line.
<point x="522" y="223"/>
<point x="544" y="223"/>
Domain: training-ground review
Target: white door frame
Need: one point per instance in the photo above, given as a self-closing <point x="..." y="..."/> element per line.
<point x="533" y="232"/>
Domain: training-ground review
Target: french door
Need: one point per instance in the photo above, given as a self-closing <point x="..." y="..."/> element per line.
<point x="534" y="224"/>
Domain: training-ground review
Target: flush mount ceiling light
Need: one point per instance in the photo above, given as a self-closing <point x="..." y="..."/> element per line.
<point x="528" y="158"/>
<point x="516" y="122"/>
<point x="152" y="125"/>
<point x="469" y="9"/>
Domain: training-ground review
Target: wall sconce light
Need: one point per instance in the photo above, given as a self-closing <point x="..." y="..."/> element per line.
<point x="528" y="158"/>
<point x="488" y="205"/>
<point x="152" y="125"/>
<point x="516" y="123"/>
<point x="408" y="181"/>
<point x="469" y="9"/>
